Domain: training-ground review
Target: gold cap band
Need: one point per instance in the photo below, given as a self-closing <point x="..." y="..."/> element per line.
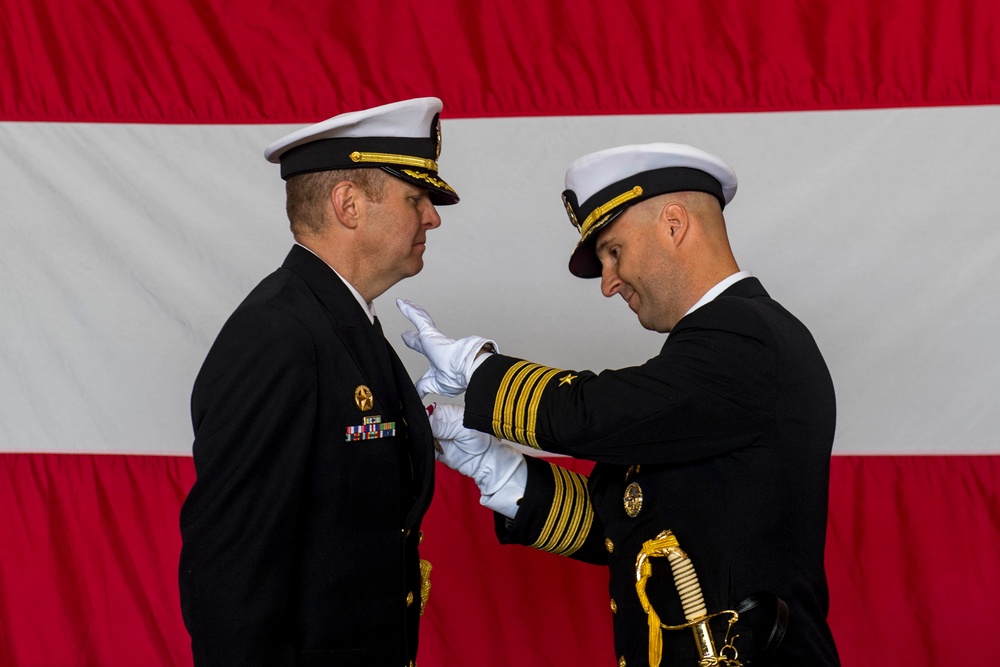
<point x="389" y="158"/>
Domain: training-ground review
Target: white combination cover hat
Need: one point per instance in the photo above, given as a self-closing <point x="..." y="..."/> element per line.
<point x="402" y="138"/>
<point x="602" y="185"/>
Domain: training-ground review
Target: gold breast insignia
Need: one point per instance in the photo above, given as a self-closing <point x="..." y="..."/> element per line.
<point x="363" y="398"/>
<point x="633" y="500"/>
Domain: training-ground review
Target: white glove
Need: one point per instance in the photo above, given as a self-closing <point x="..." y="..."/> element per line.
<point x="452" y="361"/>
<point x="489" y="462"/>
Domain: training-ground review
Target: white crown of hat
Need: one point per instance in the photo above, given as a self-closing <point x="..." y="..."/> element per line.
<point x="592" y="173"/>
<point x="406" y="118"/>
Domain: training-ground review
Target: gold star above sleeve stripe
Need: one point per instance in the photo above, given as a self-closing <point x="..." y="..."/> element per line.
<point x="567" y="379"/>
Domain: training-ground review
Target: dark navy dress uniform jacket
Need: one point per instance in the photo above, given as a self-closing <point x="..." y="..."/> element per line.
<point x="727" y="432"/>
<point x="299" y="546"/>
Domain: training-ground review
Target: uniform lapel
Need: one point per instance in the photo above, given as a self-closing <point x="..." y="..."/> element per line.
<point x="349" y="321"/>
<point x="375" y="358"/>
<point x="421" y="443"/>
<point x="381" y="350"/>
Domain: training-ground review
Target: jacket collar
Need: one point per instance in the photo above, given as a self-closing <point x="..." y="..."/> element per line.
<point x="328" y="287"/>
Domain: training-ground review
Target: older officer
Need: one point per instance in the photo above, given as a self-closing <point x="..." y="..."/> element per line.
<point x="723" y="439"/>
<point x="313" y="451"/>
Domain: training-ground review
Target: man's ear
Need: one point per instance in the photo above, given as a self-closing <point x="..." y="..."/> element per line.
<point x="348" y="203"/>
<point x="675" y="221"/>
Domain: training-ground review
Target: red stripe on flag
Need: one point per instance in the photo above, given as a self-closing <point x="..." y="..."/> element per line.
<point x="88" y="573"/>
<point x="265" y="62"/>
<point x="90" y="544"/>
<point x="912" y="556"/>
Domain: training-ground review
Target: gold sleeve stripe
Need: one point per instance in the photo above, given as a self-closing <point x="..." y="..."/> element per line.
<point x="583" y="516"/>
<point x="575" y="517"/>
<point x="570" y="501"/>
<point x="523" y="419"/>
<point x="570" y="517"/>
<point x="506" y="387"/>
<point x="533" y="407"/>
<point x="510" y="403"/>
<point x="581" y="535"/>
<point x="501" y="398"/>
<point x="515" y="409"/>
<point x="554" y="511"/>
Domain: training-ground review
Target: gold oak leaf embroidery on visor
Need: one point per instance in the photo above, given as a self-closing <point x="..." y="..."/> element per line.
<point x="437" y="182"/>
<point x="598" y="213"/>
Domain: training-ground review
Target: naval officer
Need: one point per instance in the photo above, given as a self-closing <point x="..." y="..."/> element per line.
<point x="313" y="452"/>
<point x="717" y="449"/>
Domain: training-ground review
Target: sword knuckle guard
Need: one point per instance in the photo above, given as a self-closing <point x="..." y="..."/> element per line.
<point x="692" y="602"/>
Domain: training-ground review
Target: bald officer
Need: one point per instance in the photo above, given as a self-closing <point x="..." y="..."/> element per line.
<point x="712" y="457"/>
<point x="313" y="452"/>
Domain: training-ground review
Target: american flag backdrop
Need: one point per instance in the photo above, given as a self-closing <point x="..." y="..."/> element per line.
<point x="137" y="210"/>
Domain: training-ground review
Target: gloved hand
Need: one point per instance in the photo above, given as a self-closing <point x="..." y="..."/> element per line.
<point x="489" y="462"/>
<point x="451" y="360"/>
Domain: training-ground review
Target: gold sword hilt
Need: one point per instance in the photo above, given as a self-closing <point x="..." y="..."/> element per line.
<point x="692" y="602"/>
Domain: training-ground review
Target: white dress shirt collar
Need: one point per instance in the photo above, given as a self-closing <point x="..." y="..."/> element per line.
<point x="719" y="288"/>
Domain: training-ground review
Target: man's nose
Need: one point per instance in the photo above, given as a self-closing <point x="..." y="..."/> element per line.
<point x="611" y="284"/>
<point x="432" y="218"/>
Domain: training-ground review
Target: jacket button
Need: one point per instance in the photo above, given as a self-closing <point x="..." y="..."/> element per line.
<point x="621" y="661"/>
<point x="409" y="598"/>
<point x="614" y="606"/>
<point x="609" y="545"/>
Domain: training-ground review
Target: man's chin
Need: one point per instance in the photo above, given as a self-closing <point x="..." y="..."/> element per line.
<point x="658" y="327"/>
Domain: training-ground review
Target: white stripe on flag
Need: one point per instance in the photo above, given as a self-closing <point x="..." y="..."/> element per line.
<point x="128" y="245"/>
